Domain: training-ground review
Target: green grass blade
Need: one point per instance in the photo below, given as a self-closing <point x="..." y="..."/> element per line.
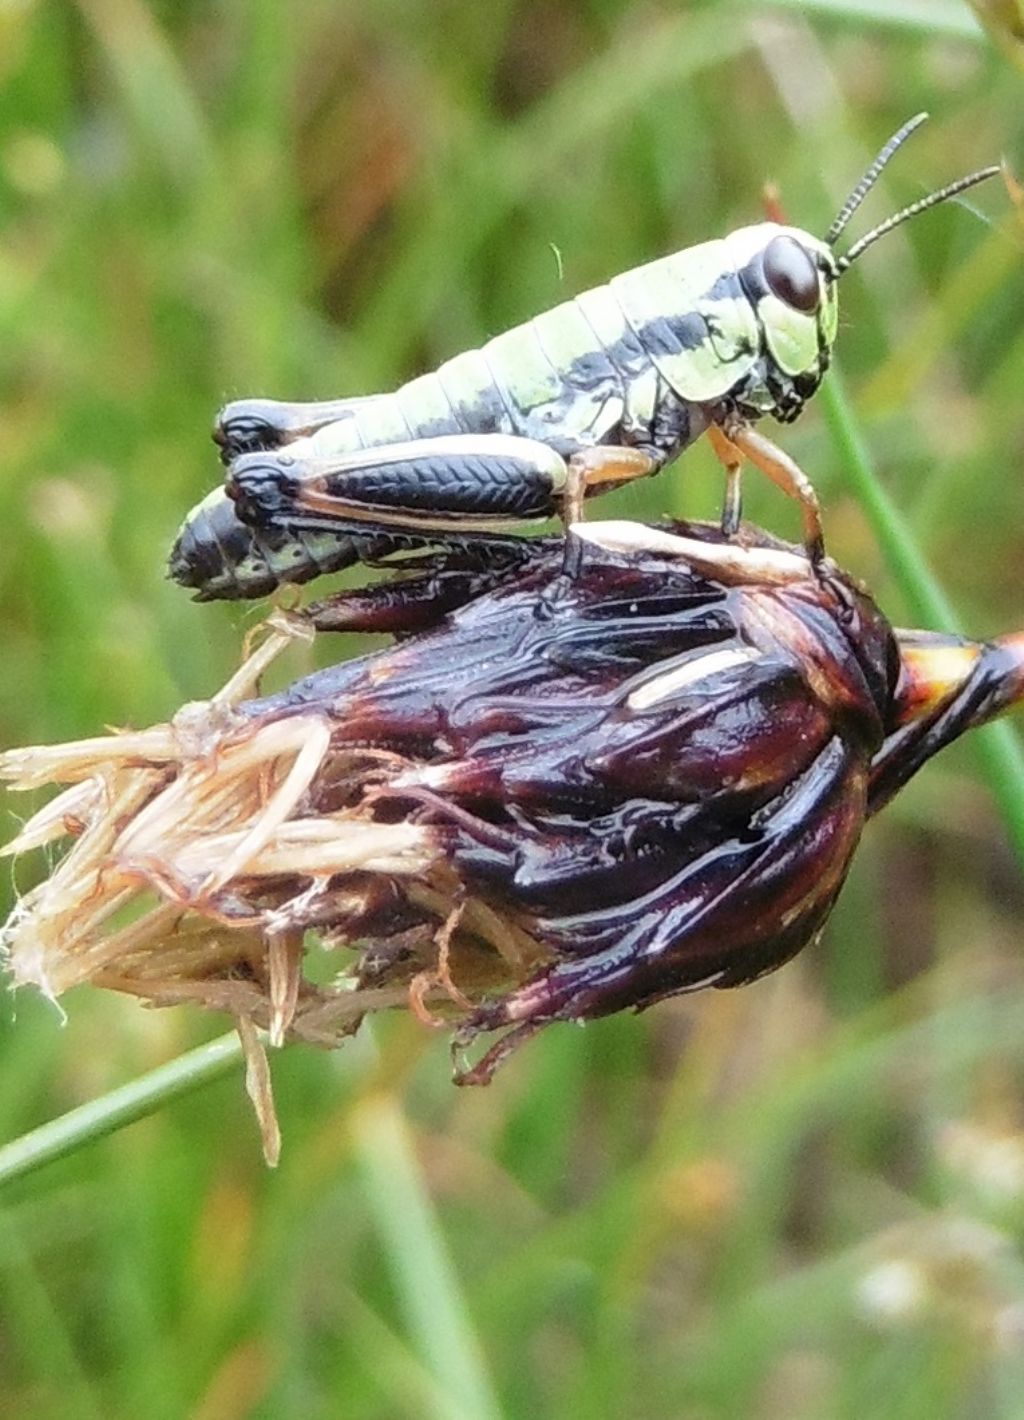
<point x="933" y="17"/>
<point x="999" y="747"/>
<point x="436" y="1312"/>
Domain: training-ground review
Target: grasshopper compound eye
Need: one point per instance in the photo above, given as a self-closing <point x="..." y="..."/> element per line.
<point x="791" y="274"/>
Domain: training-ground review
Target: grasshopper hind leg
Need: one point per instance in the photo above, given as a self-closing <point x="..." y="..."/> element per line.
<point x="435" y="490"/>
<point x="247" y="426"/>
<point x="427" y="488"/>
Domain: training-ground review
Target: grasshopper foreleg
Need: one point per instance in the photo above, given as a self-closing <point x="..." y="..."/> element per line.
<point x="732" y="461"/>
<point x="739" y="441"/>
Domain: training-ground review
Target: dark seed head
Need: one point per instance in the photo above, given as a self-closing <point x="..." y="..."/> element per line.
<point x="558" y="799"/>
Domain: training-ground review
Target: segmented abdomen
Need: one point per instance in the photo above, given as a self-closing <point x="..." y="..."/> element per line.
<point x="225" y="560"/>
<point x="572" y="377"/>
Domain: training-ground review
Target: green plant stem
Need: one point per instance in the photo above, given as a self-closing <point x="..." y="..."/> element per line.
<point x="998" y="747"/>
<point x="102" y="1116"/>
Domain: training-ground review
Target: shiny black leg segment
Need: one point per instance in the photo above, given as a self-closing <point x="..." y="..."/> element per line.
<point x="432" y="483"/>
<point x="248" y="425"/>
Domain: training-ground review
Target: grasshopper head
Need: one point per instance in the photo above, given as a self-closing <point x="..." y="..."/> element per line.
<point x="789" y="278"/>
<point x="791" y="281"/>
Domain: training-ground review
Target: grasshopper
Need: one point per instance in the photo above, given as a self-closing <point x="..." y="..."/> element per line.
<point x="601" y="390"/>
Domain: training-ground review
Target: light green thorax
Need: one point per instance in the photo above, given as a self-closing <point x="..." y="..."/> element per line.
<point x="722" y="332"/>
<point x="721" y="338"/>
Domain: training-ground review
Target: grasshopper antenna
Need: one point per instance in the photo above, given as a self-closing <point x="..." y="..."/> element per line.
<point x="869" y="179"/>
<point x="932" y="200"/>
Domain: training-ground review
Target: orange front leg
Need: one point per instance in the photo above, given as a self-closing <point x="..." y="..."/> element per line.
<point x="732" y="461"/>
<point x="743" y="442"/>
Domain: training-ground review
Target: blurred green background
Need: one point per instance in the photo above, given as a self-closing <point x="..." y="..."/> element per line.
<point x="801" y="1200"/>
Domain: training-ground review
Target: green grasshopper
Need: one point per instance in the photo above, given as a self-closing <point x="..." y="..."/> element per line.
<point x="603" y="389"/>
